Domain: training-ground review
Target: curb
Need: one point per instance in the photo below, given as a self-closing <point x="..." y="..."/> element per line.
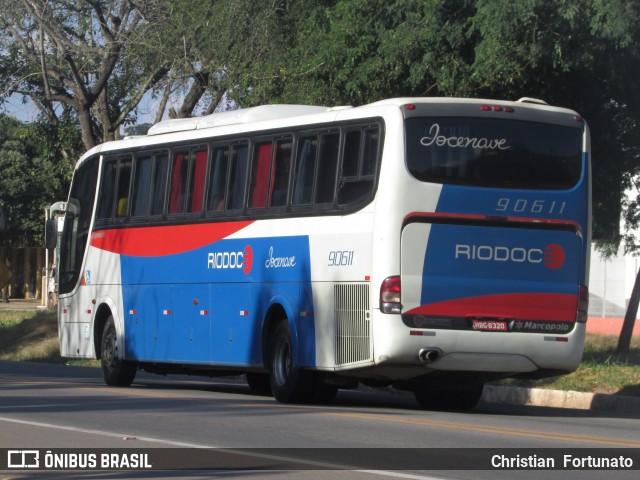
<point x="560" y="399"/>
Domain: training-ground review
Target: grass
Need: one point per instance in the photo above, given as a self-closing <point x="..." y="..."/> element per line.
<point x="33" y="336"/>
<point x="601" y="370"/>
<point x="28" y="336"/>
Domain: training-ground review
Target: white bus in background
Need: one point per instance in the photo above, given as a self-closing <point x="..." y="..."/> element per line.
<point x="432" y="244"/>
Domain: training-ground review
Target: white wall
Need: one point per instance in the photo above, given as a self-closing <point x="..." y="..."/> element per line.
<point x="610" y="284"/>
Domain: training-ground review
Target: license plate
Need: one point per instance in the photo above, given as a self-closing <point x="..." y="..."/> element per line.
<point x="489" y="325"/>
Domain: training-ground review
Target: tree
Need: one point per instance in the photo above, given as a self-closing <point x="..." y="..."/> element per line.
<point x="32" y="176"/>
<point x="219" y="47"/>
<point x="632" y="245"/>
<point x="71" y="58"/>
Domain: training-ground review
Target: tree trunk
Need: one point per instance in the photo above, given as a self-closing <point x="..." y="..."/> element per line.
<point x="624" y="342"/>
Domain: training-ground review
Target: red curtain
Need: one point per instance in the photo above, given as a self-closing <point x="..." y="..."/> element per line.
<point x="261" y="176"/>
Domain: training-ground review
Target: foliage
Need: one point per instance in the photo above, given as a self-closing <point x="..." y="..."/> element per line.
<point x="71" y="56"/>
<point x="33" y="175"/>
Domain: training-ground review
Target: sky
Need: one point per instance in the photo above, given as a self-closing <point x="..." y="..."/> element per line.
<point x="25" y="112"/>
<point x="28" y="112"/>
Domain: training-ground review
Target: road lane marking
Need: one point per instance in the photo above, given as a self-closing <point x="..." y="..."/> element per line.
<point x="505" y="431"/>
<point x="575" y="438"/>
<point x="172" y="443"/>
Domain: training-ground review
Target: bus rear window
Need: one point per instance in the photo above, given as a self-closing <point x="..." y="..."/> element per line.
<point x="494" y="152"/>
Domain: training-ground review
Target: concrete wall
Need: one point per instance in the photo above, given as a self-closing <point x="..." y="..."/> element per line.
<point x="610" y="284"/>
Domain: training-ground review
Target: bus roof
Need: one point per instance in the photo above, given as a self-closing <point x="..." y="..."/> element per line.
<point x="269" y="113"/>
<point x="234" y="117"/>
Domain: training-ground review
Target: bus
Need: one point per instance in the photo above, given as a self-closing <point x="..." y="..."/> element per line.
<point x="430" y="244"/>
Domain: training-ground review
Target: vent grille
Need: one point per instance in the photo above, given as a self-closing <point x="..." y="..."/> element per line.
<point x="353" y="330"/>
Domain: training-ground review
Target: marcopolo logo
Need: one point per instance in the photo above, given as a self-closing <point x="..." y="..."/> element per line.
<point x="552" y="256"/>
<point x="231" y="260"/>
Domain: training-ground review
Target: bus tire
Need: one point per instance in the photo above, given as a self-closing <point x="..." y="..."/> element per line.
<point x="448" y="397"/>
<point x="116" y="372"/>
<point x="289" y="383"/>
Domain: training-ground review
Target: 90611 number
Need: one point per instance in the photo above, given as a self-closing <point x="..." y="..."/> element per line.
<point x="340" y="258"/>
<point x="522" y="205"/>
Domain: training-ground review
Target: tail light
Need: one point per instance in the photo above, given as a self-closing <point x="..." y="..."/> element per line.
<point x="390" y="295"/>
<point x="583" y="304"/>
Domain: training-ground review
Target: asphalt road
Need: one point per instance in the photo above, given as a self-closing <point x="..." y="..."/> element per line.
<point x="381" y="434"/>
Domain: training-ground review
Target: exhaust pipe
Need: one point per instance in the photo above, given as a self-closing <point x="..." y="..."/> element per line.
<point x="428" y="355"/>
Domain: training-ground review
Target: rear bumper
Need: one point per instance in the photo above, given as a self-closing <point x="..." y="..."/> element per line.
<point x="509" y="352"/>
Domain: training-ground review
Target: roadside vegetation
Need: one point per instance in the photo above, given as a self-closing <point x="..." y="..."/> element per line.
<point x="601" y="370"/>
<point x="27" y="336"/>
<point x="33" y="337"/>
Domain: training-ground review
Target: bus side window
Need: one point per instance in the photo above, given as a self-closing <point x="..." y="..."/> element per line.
<point x="327" y="168"/>
<point x="305" y="170"/>
<point x="359" y="163"/>
<point x="218" y="179"/>
<point x="107" y="190"/>
<point x="237" y="177"/>
<point x="279" y="187"/>
<point x="124" y="179"/>
<point x="159" y="181"/>
<point x="198" y="177"/>
<point x="260" y="175"/>
<point x="178" y="183"/>
<point x="370" y="154"/>
<point x="141" y="186"/>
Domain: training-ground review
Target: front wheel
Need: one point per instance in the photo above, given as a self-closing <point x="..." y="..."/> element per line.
<point x="116" y="372"/>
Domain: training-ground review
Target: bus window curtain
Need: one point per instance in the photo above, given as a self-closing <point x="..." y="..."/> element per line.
<point x="274" y="172"/>
<point x="261" y="177"/>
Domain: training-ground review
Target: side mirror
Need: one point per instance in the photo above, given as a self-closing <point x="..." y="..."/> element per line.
<point x="51" y="233"/>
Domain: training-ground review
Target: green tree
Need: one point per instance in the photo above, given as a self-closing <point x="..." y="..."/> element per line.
<point x="75" y="58"/>
<point x="215" y="48"/>
<point x="33" y="176"/>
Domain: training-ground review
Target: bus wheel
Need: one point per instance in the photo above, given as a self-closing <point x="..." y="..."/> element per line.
<point x="289" y="383"/>
<point x="116" y="372"/>
<point x="258" y="382"/>
<point x="448" y="396"/>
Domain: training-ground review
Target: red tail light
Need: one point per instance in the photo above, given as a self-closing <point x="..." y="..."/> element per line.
<point x="390" y="295"/>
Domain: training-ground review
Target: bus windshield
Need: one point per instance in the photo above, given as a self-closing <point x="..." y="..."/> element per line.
<point x="494" y="152"/>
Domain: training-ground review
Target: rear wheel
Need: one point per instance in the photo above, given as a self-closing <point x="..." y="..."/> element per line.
<point x="116" y="372"/>
<point x="439" y="396"/>
<point x="289" y="383"/>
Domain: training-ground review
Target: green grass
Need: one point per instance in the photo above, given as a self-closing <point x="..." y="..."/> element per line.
<point x="33" y="336"/>
<point x="601" y="370"/>
<point x="28" y="336"/>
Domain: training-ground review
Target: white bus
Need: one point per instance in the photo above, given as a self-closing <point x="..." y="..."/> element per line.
<point x="432" y="244"/>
